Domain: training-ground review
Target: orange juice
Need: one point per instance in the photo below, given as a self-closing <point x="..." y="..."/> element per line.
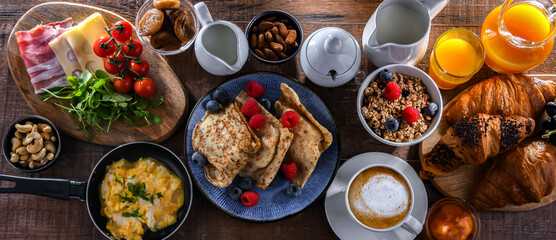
<point x="456" y="56"/>
<point x="526" y="43"/>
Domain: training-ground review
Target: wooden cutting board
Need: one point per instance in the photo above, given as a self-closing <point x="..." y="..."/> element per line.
<point x="462" y="182"/>
<point x="172" y="111"/>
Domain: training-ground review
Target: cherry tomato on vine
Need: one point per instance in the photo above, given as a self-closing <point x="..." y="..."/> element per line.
<point x="134" y="50"/>
<point x="105" y="49"/>
<point x="140" y="68"/>
<point x="114" y="65"/>
<point x="123" y="85"/>
<point x="123" y="31"/>
<point x="144" y="87"/>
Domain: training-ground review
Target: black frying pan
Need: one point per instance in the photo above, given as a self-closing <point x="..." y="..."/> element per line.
<point x="89" y="191"/>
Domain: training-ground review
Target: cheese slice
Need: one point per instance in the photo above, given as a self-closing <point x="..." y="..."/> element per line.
<point x="66" y="56"/>
<point x="81" y="39"/>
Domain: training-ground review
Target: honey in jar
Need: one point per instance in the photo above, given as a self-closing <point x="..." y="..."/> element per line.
<point x="452" y="219"/>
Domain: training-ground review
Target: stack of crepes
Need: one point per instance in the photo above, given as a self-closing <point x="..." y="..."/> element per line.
<point x="232" y="148"/>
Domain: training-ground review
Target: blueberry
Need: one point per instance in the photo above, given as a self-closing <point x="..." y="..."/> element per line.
<point x="198" y="158"/>
<point x="549" y="124"/>
<point x="293" y="190"/>
<point x="386" y="75"/>
<point x="213" y="106"/>
<point x="266" y="103"/>
<point x="245" y="183"/>
<point x="405" y="93"/>
<point x="235" y="193"/>
<point x="392" y="124"/>
<point x="550" y="109"/>
<point x="431" y="109"/>
<point x="221" y="96"/>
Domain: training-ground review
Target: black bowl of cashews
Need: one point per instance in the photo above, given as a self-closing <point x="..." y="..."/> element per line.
<point x="31" y="144"/>
<point x="274" y="36"/>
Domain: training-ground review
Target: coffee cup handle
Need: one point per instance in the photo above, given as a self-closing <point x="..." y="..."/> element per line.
<point x="434" y="6"/>
<point x="412" y="225"/>
<point x="203" y="13"/>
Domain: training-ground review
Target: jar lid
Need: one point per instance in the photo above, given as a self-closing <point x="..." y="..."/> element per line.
<point x="330" y="54"/>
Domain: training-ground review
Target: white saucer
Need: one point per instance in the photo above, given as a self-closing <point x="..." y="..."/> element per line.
<point x="334" y="204"/>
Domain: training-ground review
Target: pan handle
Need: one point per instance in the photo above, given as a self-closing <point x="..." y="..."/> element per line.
<point x="48" y="187"/>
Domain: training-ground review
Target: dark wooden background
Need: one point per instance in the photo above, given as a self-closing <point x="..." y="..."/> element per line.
<point x="32" y="217"/>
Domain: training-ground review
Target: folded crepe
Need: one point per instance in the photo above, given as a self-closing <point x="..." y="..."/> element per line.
<point x="227" y="142"/>
<point x="310" y="138"/>
<point x="275" y="141"/>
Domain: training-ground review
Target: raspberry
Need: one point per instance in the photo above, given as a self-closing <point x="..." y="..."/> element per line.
<point x="257" y="121"/>
<point x="289" y="169"/>
<point x="254" y="89"/>
<point x="410" y="114"/>
<point x="250" y="198"/>
<point x="290" y="119"/>
<point x="392" y="91"/>
<point x="250" y="108"/>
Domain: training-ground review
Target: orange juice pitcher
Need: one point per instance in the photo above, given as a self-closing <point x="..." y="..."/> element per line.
<point x="519" y="35"/>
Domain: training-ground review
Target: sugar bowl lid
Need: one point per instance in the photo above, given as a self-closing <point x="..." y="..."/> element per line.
<point x="330" y="57"/>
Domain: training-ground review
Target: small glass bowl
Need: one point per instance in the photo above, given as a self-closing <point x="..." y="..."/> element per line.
<point x="456" y="201"/>
<point x="186" y="6"/>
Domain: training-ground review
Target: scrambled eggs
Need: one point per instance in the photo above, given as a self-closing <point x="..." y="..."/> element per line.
<point x="135" y="194"/>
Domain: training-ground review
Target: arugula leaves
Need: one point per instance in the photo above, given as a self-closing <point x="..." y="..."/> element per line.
<point x="93" y="101"/>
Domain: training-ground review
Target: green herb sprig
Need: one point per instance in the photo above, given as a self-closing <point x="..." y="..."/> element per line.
<point x="93" y="100"/>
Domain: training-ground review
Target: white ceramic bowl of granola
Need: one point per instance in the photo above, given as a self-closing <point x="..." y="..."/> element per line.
<point x="408" y="70"/>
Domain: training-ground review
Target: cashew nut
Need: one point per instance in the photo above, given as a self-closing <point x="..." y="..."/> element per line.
<point x="16" y="142"/>
<point x="50" y="146"/>
<point x="36" y="146"/>
<point x="43" y="161"/>
<point x="30" y="137"/>
<point x="45" y="135"/>
<point x="32" y="165"/>
<point x="41" y="154"/>
<point x="44" y="127"/>
<point x="23" y="128"/>
<point x="24" y="157"/>
<point x="53" y="139"/>
<point x="49" y="156"/>
<point x="21" y="151"/>
<point x="14" y="158"/>
<point x="18" y="134"/>
<point x="23" y="163"/>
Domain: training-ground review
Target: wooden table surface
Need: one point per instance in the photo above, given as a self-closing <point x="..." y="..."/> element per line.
<point x="33" y="217"/>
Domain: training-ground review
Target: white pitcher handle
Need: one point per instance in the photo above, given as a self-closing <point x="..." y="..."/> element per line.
<point x="412" y="225"/>
<point x="203" y="13"/>
<point x="434" y="6"/>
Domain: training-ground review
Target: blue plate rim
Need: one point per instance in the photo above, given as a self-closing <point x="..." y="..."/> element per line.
<point x="337" y="133"/>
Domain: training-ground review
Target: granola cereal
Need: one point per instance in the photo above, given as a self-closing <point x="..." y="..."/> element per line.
<point x="377" y="108"/>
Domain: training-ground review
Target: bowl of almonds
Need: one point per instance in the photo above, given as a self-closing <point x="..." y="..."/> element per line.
<point x="31" y="144"/>
<point x="274" y="36"/>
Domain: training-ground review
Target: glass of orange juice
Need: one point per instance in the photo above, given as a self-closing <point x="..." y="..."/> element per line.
<point x="457" y="55"/>
<point x="519" y="35"/>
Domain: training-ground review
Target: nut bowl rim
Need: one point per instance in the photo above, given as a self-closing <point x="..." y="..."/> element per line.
<point x="432" y="90"/>
<point x="297" y="26"/>
<point x="147" y="5"/>
<point x="9" y="133"/>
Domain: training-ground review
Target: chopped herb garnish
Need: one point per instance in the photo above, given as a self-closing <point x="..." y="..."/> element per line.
<point x="126" y="198"/>
<point x="118" y="180"/>
<point x="139" y="190"/>
<point x="159" y="195"/>
<point x="134" y="213"/>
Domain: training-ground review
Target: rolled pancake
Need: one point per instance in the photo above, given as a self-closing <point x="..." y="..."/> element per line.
<point x="227" y="142"/>
<point x="310" y="138"/>
<point x="275" y="141"/>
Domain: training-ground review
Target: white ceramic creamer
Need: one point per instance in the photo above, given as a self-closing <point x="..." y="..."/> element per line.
<point x="221" y="47"/>
<point x="398" y="31"/>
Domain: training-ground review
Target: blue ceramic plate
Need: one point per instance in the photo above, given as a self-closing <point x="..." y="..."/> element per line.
<point x="274" y="203"/>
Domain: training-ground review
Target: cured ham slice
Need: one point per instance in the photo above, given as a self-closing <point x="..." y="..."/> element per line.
<point x="43" y="67"/>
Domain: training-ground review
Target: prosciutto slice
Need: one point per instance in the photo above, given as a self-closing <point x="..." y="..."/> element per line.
<point x="43" y="67"/>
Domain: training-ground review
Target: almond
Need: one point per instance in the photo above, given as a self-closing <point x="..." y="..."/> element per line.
<point x="274" y="31"/>
<point x="276" y="47"/>
<point x="265" y="25"/>
<point x="290" y="39"/>
<point x="268" y="36"/>
<point x="280" y="41"/>
<point x="283" y="30"/>
<point x="259" y="53"/>
<point x="270" y="54"/>
<point x="253" y="41"/>
<point x="260" y="41"/>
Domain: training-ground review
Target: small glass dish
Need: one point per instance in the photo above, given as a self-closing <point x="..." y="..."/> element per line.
<point x="441" y="205"/>
<point x="186" y="6"/>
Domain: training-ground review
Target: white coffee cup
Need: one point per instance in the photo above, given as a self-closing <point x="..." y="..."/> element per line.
<point x="221" y="47"/>
<point x="398" y="31"/>
<point x="409" y="223"/>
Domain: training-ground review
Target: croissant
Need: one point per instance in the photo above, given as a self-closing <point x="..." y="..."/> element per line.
<point x="474" y="139"/>
<point x="504" y="95"/>
<point x="523" y="175"/>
